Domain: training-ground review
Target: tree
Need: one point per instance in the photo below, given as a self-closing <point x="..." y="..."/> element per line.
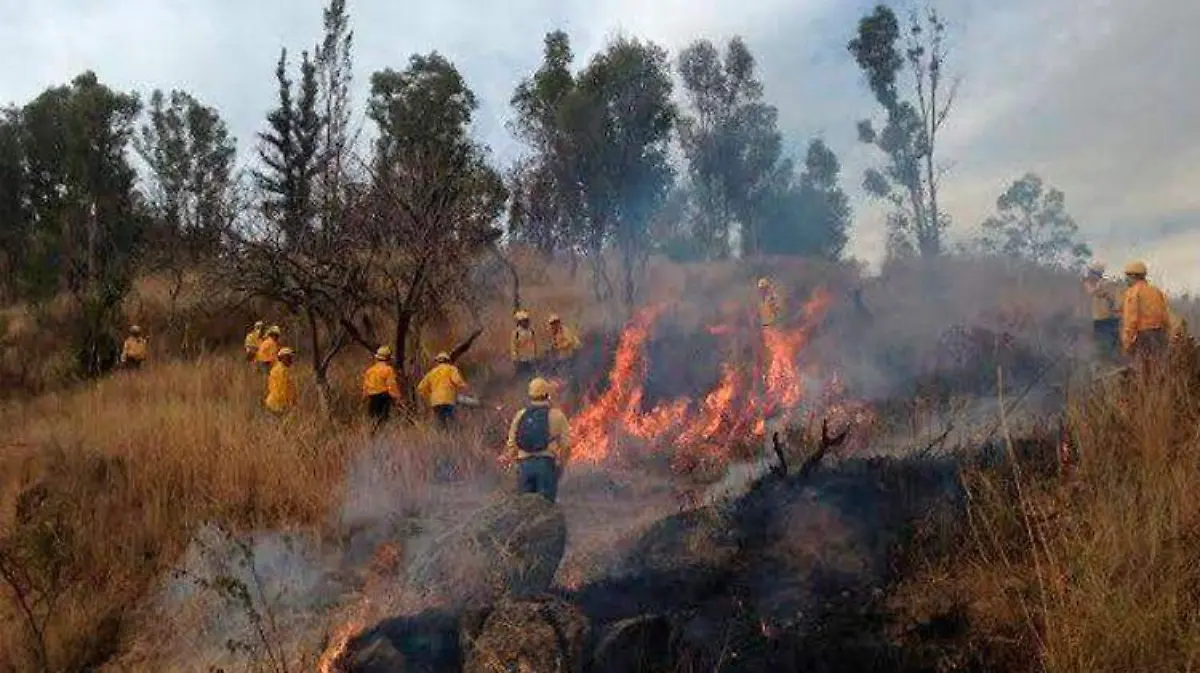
<point x="732" y="144"/>
<point x="298" y="249"/>
<point x="14" y="212"/>
<point x="1032" y="224"/>
<point x="434" y="200"/>
<point x="620" y="116"/>
<point x="85" y="225"/>
<point x="547" y="210"/>
<point x="810" y="218"/>
<point x="910" y="179"/>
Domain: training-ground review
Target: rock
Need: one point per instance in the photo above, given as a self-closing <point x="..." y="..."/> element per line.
<point x="542" y="635"/>
<point x="424" y="643"/>
<point x="377" y="656"/>
<point x="633" y="645"/>
<point x="510" y="547"/>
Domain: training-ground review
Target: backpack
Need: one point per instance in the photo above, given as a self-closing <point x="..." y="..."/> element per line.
<point x="533" y="430"/>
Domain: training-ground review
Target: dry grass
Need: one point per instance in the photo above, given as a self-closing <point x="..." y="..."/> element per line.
<point x="103" y="484"/>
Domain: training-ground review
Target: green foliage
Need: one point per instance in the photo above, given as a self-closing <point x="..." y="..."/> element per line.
<point x="1032" y="224"/>
<point x="910" y="177"/>
<point x="810" y="218"/>
<point x="190" y="155"/>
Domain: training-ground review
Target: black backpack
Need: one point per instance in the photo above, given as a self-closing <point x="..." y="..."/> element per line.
<point x="533" y="430"/>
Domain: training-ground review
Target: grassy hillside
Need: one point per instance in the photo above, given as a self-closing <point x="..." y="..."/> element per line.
<point x="103" y="484"/>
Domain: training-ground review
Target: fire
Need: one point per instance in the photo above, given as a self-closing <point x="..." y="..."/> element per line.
<point x="701" y="431"/>
<point x="341" y="639"/>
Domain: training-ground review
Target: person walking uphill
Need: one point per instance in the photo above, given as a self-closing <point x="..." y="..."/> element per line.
<point x="523" y="346"/>
<point x="253" y="339"/>
<point x="440" y="388"/>
<point x="1145" y="317"/>
<point x="538" y="441"/>
<point x="381" y="388"/>
<point x="134" y="350"/>
<point x="1106" y="312"/>
<point x="564" y="344"/>
<point x="268" y="350"/>
<point x="281" y="392"/>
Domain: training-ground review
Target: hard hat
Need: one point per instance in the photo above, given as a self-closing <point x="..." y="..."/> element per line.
<point x="521" y="315"/>
<point x="763" y="283"/>
<point x="1096" y="268"/>
<point x="135" y="330"/>
<point x="539" y="389"/>
<point x="383" y="353"/>
<point x="552" y="319"/>
<point x="283" y="352"/>
<point x="274" y="330"/>
<point x="258" y="324"/>
<point x="1137" y="268"/>
<point x="442" y="357"/>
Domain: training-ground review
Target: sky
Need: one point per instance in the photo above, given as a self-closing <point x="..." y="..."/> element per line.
<point x="1099" y="97"/>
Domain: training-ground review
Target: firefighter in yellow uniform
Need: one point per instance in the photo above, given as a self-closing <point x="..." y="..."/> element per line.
<point x="768" y="303"/>
<point x="523" y="346"/>
<point x="268" y="350"/>
<point x="253" y="338"/>
<point x="564" y="344"/>
<point x="1145" y="317"/>
<point x="281" y="391"/>
<point x="440" y="388"/>
<point x="381" y="387"/>
<point x="1105" y="299"/>
<point x="539" y="443"/>
<point x="134" y="350"/>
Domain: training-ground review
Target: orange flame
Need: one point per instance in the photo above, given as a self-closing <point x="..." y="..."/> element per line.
<point x="698" y="432"/>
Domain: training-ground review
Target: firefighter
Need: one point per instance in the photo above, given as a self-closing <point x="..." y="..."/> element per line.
<point x="133" y="351"/>
<point x="440" y="388"/>
<point x="538" y="442"/>
<point x="281" y="392"/>
<point x="268" y="350"/>
<point x="523" y="346"/>
<point x="253" y="338"/>
<point x="1145" y="317"/>
<point x="564" y="344"/>
<point x="768" y="303"/>
<point x="1106" y="312"/>
<point x="381" y="387"/>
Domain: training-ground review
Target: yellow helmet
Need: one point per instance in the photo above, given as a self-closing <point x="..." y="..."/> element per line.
<point x="135" y="330"/>
<point x="763" y="283"/>
<point x="274" y="331"/>
<point x="285" y="352"/>
<point x="539" y="389"/>
<point x="553" y="319"/>
<point x="1137" y="268"/>
<point x="383" y="353"/>
<point x="521" y="314"/>
<point x="442" y="357"/>
<point x="258" y="324"/>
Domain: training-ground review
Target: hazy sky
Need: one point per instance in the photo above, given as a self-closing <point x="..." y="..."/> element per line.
<point x="1100" y="97"/>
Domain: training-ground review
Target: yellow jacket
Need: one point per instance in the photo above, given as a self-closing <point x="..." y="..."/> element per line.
<point x="281" y="392"/>
<point x="253" y="339"/>
<point x="134" y="349"/>
<point x="564" y="342"/>
<point x="1105" y="300"/>
<point x="523" y="345"/>
<point x="560" y="429"/>
<point x="381" y="378"/>
<point x="268" y="348"/>
<point x="1145" y="309"/>
<point x="768" y="308"/>
<point x="441" y="385"/>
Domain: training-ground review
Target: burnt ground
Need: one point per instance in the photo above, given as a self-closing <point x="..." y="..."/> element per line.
<point x="792" y="575"/>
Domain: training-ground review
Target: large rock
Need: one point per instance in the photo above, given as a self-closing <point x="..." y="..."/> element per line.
<point x="542" y="635"/>
<point x="510" y="547"/>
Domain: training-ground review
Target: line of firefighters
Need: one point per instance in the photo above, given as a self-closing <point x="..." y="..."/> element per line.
<point x="1135" y="322"/>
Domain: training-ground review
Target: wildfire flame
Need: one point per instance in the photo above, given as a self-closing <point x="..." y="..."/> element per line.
<point x="699" y="431"/>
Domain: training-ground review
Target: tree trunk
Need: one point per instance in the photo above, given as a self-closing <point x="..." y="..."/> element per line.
<point x="320" y="364"/>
